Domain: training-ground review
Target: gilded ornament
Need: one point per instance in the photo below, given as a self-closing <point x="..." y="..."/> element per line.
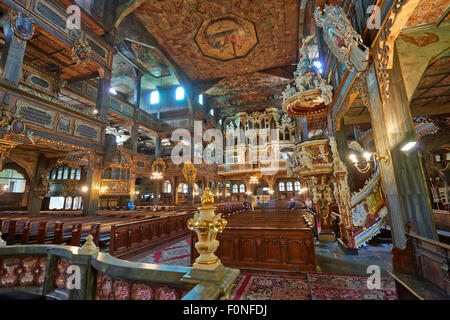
<point x="189" y="172"/>
<point x="207" y="198"/>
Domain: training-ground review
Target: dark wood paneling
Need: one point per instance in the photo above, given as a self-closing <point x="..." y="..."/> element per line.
<point x="136" y="236"/>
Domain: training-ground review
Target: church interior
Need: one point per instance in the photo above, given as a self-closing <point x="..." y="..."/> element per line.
<point x="224" y="150"/>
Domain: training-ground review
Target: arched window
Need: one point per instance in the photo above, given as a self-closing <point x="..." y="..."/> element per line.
<point x="289" y="186"/>
<point x="235" y="188"/>
<point x="56" y="203"/>
<point x="179" y="94"/>
<point x="201" y="99"/>
<point x="167" y="188"/>
<point x="154" y="97"/>
<point x="297" y="186"/>
<point x="281" y="186"/>
<point x="12" y="181"/>
<point x="242" y="188"/>
<point x="183" y="188"/>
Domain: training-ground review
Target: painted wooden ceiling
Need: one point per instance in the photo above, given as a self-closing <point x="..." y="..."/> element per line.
<point x="215" y="39"/>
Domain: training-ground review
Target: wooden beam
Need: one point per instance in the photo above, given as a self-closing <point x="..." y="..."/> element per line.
<point x="83" y="77"/>
<point x="416" y="111"/>
<point x="286" y="72"/>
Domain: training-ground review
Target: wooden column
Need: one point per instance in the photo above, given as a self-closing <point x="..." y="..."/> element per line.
<point x="104" y="85"/>
<point x="91" y="197"/>
<point x="34" y="200"/>
<point x="403" y="175"/>
<point x="13" y="54"/>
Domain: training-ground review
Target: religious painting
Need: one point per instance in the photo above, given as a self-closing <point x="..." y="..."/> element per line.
<point x="22" y="26"/>
<point x="226" y="37"/>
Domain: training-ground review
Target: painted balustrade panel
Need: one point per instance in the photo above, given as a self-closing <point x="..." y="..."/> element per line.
<point x="108" y="288"/>
<point x="46" y="271"/>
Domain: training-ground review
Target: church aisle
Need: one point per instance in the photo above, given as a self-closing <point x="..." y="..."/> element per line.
<point x="339" y="275"/>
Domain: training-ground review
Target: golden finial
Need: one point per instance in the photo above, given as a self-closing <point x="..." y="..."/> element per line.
<point x="207" y="198"/>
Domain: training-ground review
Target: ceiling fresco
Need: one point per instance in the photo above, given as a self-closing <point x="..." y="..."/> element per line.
<point x="416" y="48"/>
<point x="428" y="11"/>
<point x="251" y="91"/>
<point x="149" y="60"/>
<point x="434" y="88"/>
<point x="226" y="37"/>
<point x="215" y="39"/>
<point x="123" y="75"/>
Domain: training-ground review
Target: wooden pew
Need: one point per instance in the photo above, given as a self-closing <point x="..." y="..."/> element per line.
<point x="76" y="235"/>
<point x="11" y="232"/>
<point x="26" y="229"/>
<point x="42" y="232"/>
<point x="58" y="233"/>
<point x="95" y="232"/>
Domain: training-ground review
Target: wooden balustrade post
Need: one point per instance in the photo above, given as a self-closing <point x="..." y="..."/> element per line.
<point x="11" y="232"/>
<point x="26" y="232"/>
<point x="42" y="232"/>
<point x="76" y="235"/>
<point x="58" y="233"/>
<point x="112" y="240"/>
<point x="95" y="232"/>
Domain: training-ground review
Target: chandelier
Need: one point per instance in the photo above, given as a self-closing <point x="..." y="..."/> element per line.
<point x="254" y="180"/>
<point x="158" y="168"/>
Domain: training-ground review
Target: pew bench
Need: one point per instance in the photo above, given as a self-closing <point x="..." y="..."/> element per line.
<point x="411" y="287"/>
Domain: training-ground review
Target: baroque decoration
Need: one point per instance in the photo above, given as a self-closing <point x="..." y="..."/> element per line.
<point x="81" y="52"/>
<point x="189" y="172"/>
<point x="311" y="94"/>
<point x="341" y="38"/>
<point x="362" y="214"/>
<point x="207" y="225"/>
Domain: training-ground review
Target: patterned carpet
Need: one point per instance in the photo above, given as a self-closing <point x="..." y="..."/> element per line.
<point x="266" y="285"/>
<point x="262" y="285"/>
<point x="340" y="287"/>
<point x="176" y="253"/>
